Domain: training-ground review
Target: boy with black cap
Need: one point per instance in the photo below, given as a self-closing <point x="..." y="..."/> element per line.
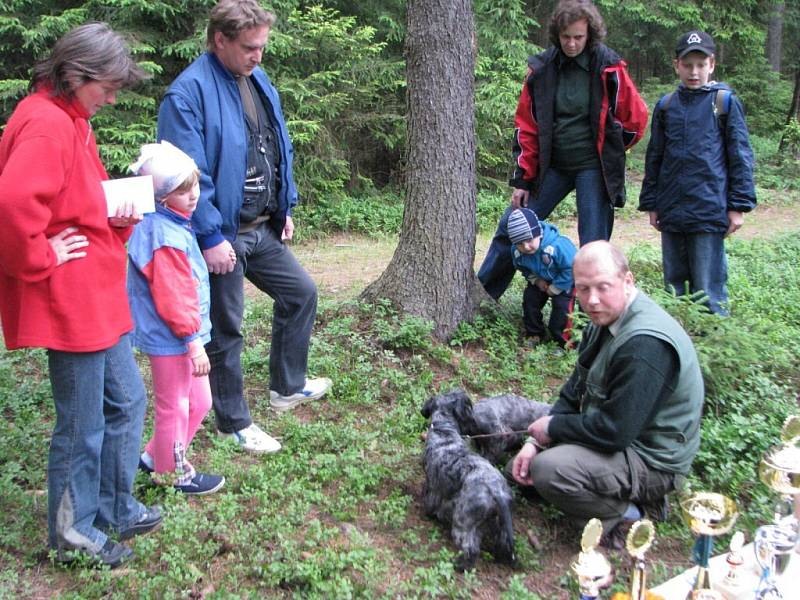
<point x="544" y="257"/>
<point x="698" y="173"/>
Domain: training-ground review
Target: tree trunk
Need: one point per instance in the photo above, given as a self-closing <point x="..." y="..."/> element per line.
<point x="794" y="114"/>
<point x="431" y="274"/>
<point x="775" y="35"/>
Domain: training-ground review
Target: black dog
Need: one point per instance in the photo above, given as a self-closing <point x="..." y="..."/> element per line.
<point x="463" y="488"/>
<point x="502" y="414"/>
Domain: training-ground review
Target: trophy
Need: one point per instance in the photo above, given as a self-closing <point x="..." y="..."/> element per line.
<point x="708" y="515"/>
<point x="774" y="544"/>
<point x="590" y="566"/>
<point x="639" y="540"/>
<point x="735" y="560"/>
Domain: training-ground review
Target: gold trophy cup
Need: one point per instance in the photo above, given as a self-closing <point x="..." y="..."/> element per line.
<point x="590" y="566"/>
<point x="774" y="543"/>
<point x="708" y="515"/>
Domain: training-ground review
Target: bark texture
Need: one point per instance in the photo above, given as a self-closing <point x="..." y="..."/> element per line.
<point x="431" y="274"/>
<point x="775" y="35"/>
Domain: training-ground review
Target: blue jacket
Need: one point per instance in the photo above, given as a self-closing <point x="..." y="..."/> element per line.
<point x="551" y="262"/>
<point x="694" y="174"/>
<point x="163" y="228"/>
<point x="202" y="115"/>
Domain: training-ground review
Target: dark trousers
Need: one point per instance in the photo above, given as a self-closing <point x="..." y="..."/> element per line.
<point x="595" y="221"/>
<point x="267" y="263"/>
<point x="533" y="301"/>
<point x="700" y="260"/>
<point x="585" y="483"/>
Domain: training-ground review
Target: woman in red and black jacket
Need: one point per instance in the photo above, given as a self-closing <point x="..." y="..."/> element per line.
<point x="579" y="111"/>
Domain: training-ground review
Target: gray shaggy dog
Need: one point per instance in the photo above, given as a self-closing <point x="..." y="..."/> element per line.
<point x="463" y="488"/>
<point x="498" y="414"/>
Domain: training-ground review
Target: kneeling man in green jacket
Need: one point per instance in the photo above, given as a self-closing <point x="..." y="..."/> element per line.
<point x="626" y="425"/>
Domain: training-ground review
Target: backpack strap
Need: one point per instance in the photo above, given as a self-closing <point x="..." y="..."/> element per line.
<point x="722" y="104"/>
<point x="662" y="105"/>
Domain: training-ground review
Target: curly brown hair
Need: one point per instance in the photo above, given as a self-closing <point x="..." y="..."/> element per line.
<point x="568" y="12"/>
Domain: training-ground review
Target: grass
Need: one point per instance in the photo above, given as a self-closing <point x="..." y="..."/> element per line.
<point x="337" y="513"/>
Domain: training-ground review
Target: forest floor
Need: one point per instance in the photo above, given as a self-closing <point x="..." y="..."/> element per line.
<point x="343" y="264"/>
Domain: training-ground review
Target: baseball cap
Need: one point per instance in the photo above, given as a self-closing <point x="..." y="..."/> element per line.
<point x="695" y="41"/>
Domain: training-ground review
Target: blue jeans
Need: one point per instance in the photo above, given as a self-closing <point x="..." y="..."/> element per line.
<point x="699" y="259"/>
<point x="595" y="221"/>
<point x="100" y="402"/>
<point x="271" y="267"/>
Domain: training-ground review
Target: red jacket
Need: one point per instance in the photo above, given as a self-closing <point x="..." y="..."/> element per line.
<point x="50" y="175"/>
<point x="617" y="112"/>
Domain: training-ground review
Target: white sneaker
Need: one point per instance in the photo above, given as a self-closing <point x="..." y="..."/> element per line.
<point x="313" y="389"/>
<point x="253" y="439"/>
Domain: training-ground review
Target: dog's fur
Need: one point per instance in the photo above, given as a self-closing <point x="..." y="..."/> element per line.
<point x="463" y="488"/>
<point x="497" y="414"/>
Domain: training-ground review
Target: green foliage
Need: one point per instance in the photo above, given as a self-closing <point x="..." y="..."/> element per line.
<point x="337" y="512"/>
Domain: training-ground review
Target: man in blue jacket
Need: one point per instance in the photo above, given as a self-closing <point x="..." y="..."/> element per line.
<point x="225" y="113"/>
<point x="698" y="173"/>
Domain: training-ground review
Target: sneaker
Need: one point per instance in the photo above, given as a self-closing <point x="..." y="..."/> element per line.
<point x="111" y="555"/>
<point x="314" y="389"/>
<point x="201" y="484"/>
<point x="144" y="468"/>
<point x="150" y="521"/>
<point x="253" y="439"/>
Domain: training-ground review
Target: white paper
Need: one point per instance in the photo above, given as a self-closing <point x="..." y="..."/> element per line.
<point x="138" y="189"/>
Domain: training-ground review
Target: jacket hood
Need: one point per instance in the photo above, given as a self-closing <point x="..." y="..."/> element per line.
<point x="549" y="233"/>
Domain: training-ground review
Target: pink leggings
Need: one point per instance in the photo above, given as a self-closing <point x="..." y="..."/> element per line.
<point x="181" y="402"/>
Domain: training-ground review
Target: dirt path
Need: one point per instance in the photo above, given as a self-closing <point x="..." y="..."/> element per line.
<point x="342" y="265"/>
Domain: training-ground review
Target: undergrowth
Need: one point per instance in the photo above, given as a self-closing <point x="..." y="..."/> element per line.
<point x="337" y="514"/>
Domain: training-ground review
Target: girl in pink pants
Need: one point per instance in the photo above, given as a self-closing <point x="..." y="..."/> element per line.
<point x="169" y="296"/>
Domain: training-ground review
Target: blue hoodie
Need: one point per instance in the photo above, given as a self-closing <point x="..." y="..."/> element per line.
<point x="551" y="262"/>
<point x="694" y="174"/>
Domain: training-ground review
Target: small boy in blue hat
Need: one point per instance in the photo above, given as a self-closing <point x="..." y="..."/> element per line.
<point x="544" y="257"/>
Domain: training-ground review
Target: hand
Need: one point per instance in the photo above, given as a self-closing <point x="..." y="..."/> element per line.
<point x="654" y="220"/>
<point x="197" y="354"/>
<point x="542" y="284"/>
<point x="519" y="198"/>
<point x="125" y="216"/>
<point x="521" y="467"/>
<point x="288" y="229"/>
<point x="735" y="221"/>
<point x="66" y="246"/>
<point x="218" y="258"/>
<point x="538" y="429"/>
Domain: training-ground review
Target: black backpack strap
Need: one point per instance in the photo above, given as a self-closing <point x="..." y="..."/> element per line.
<point x="662" y="105"/>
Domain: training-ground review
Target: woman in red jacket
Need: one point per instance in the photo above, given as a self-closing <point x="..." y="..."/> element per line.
<point x="579" y="111"/>
<point x="62" y="287"/>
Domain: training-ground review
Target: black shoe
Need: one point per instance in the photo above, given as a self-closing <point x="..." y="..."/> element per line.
<point x="111" y="555"/>
<point x="617" y="537"/>
<point x="144" y="468"/>
<point x="202" y="484"/>
<point x="150" y="521"/>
